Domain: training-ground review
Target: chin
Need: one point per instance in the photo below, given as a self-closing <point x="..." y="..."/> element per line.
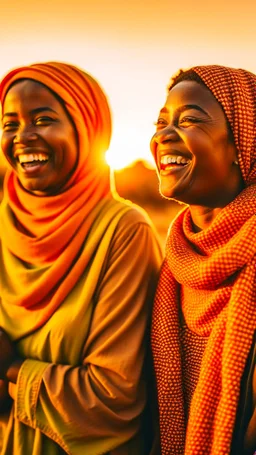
<point x="32" y="187"/>
<point x="180" y="190"/>
<point x="166" y="191"/>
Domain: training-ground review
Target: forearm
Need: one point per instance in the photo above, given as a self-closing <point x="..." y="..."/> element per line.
<point x="11" y="376"/>
<point x="104" y="395"/>
<point x="104" y="409"/>
<point x="13" y="370"/>
<point x="10" y="361"/>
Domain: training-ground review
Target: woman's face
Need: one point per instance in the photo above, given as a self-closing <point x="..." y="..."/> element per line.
<point x="39" y="140"/>
<point x="192" y="148"/>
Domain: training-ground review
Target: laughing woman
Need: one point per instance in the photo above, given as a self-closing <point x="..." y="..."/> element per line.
<point x="204" y="318"/>
<point x="78" y="271"/>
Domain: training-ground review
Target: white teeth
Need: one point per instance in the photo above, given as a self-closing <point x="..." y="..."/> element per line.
<point x="185" y="161"/>
<point x="28" y="158"/>
<point x="171" y="159"/>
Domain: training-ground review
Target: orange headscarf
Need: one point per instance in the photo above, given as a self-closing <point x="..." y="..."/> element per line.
<point x="218" y="266"/>
<point x="39" y="269"/>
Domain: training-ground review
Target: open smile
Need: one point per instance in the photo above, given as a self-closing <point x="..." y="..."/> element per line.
<point x="31" y="160"/>
<point x="170" y="162"/>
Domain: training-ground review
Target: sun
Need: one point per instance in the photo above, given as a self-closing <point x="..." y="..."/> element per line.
<point x="123" y="153"/>
<point x="117" y="161"/>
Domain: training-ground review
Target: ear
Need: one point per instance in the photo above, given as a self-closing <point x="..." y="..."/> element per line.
<point x="233" y="150"/>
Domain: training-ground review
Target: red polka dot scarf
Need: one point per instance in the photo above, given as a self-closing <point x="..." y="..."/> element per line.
<point x="219" y="266"/>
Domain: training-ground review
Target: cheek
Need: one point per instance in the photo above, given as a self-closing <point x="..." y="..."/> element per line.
<point x="6" y="145"/>
<point x="3" y="143"/>
<point x="199" y="145"/>
<point x="65" y="153"/>
<point x="206" y="146"/>
<point x="152" y="145"/>
<point x="72" y="147"/>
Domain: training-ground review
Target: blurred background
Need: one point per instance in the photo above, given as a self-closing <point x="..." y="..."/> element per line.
<point x="132" y="47"/>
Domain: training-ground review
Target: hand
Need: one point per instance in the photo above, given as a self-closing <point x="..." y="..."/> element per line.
<point x="7" y="353"/>
<point x="3" y="391"/>
<point x="5" y="399"/>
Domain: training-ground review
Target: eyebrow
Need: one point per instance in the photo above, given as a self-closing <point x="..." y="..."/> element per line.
<point x="185" y="107"/>
<point x="33" y="111"/>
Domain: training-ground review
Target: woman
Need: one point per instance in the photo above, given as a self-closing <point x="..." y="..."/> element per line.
<point x="204" y="317"/>
<point x="78" y="271"/>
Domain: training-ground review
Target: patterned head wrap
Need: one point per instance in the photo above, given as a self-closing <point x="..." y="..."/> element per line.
<point x="235" y="90"/>
<point x="216" y="270"/>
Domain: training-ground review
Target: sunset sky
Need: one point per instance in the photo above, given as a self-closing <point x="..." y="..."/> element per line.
<point x="132" y="47"/>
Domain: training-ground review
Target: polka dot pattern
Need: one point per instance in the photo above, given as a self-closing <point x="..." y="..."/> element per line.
<point x="193" y="347"/>
<point x="235" y="90"/>
<point x="217" y="268"/>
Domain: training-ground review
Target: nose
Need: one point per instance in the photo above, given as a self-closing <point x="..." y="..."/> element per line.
<point x="167" y="134"/>
<point x="24" y="136"/>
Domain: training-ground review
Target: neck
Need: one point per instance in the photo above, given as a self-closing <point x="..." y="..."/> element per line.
<point x="202" y="217"/>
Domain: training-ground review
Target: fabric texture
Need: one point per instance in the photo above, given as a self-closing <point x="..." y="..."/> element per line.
<point x="78" y="391"/>
<point x="217" y="269"/>
<point x="77" y="286"/>
<point x="235" y="90"/>
<point x="55" y="227"/>
<point x="193" y="346"/>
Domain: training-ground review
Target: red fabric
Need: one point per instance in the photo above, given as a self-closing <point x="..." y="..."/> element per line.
<point x="193" y="347"/>
<point x="218" y="266"/>
<point x="235" y="89"/>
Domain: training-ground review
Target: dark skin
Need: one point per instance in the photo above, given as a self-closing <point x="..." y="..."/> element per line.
<point x="34" y="124"/>
<point x="192" y="128"/>
<point x="4" y="396"/>
<point x="10" y="364"/>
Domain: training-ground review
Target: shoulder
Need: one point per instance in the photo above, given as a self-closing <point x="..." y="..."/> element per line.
<point x="135" y="232"/>
<point x="134" y="215"/>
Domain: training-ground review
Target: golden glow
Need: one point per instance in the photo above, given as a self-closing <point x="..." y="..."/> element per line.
<point x="116" y="162"/>
<point x="132" y="48"/>
<point x="126" y="148"/>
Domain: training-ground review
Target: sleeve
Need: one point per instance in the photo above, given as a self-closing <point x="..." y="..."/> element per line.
<point x="97" y="406"/>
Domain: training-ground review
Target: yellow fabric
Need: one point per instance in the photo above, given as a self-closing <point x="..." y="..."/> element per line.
<point x="81" y="385"/>
<point x="17" y="276"/>
<point x="78" y="274"/>
<point x="49" y="232"/>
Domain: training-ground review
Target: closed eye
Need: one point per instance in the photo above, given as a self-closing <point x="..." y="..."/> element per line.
<point x="160" y="123"/>
<point x="41" y="121"/>
<point x="10" y="126"/>
<point x="189" y="120"/>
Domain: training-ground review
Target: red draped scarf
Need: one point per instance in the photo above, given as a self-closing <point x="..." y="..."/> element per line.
<point x="219" y="265"/>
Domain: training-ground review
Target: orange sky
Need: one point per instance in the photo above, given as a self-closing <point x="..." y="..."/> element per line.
<point x="132" y="47"/>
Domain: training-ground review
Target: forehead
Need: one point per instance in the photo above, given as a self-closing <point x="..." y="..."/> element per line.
<point x="191" y="92"/>
<point x="26" y="92"/>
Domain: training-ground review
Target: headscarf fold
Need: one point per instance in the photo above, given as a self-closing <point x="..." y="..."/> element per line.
<point x="219" y="264"/>
<point x="42" y="262"/>
<point x="235" y="90"/>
